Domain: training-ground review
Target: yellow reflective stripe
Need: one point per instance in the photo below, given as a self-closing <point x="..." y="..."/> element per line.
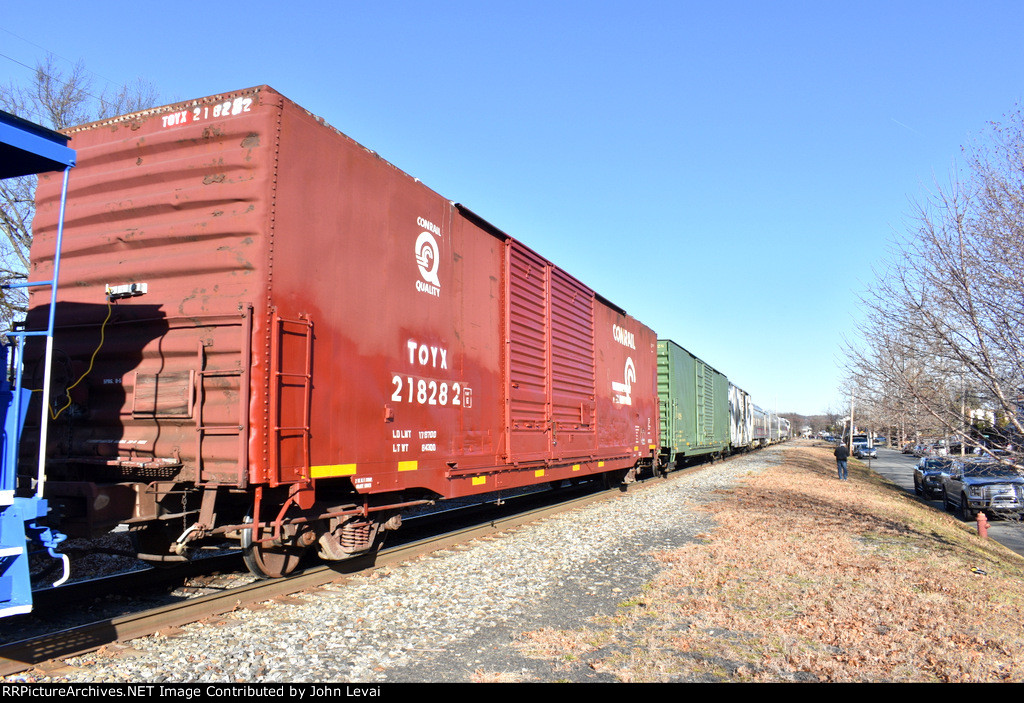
<point x="332" y="470"/>
<point x="408" y="465"/>
<point x="479" y="480"/>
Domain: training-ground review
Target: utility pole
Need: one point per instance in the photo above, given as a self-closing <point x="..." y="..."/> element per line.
<point x="850" y="446"/>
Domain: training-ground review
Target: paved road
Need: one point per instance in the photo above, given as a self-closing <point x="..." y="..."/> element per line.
<point x="899" y="468"/>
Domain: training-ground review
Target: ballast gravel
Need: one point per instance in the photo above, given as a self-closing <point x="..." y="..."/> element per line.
<point x="450" y="617"/>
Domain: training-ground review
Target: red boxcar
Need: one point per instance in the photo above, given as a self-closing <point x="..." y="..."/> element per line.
<point x="282" y="337"/>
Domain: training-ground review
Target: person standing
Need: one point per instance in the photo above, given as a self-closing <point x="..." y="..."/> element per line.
<point x="842" y="454"/>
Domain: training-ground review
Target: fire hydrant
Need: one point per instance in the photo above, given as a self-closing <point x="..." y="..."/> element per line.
<point x="982" y="525"/>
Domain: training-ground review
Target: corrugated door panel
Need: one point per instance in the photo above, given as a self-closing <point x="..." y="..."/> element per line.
<point x="705" y="404"/>
<point x="573" y="370"/>
<point x="551" y="365"/>
<point x="666" y="397"/>
<point x="528" y="352"/>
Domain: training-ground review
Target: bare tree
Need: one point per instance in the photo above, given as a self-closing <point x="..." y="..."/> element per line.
<point x="55" y="98"/>
<point x="950" y="309"/>
<point x="832" y="419"/>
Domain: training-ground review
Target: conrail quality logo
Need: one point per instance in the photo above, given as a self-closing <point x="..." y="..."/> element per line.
<point x="624" y="390"/>
<point x="428" y="258"/>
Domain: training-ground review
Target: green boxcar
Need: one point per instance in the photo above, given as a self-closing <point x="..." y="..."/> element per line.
<point x="694" y="406"/>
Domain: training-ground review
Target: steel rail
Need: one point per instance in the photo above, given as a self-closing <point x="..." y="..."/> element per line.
<point x="20" y="656"/>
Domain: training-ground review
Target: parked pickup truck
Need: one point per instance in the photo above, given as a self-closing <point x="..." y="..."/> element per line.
<point x="929" y="474"/>
<point x="975" y="485"/>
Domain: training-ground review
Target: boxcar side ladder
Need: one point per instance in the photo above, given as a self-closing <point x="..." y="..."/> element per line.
<point x="290" y="398"/>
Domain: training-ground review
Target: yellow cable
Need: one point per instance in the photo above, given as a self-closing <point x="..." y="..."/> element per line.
<point x="92" y="359"/>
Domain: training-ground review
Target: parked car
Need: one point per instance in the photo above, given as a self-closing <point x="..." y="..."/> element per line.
<point x="923" y="450"/>
<point x="928" y="475"/>
<point x="974" y="485"/>
<point x="863" y="451"/>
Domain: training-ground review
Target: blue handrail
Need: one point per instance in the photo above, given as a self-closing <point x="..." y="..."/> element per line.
<point x="25" y="149"/>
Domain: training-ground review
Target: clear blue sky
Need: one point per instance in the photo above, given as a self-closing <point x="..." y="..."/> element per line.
<point x="727" y="172"/>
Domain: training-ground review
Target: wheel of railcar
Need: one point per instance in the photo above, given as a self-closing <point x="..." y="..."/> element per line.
<point x="267" y="560"/>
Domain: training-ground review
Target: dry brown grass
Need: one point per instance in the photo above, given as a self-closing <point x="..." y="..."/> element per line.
<point x="481" y="676"/>
<point x="809" y="578"/>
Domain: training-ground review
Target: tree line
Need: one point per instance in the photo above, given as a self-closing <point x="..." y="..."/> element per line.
<point x="943" y="353"/>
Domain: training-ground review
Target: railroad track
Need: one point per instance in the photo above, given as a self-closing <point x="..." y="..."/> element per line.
<point x="473" y="522"/>
<point x="463" y="525"/>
